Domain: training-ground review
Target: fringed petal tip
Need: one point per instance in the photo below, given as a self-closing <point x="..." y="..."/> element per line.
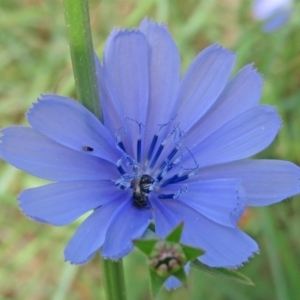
<point x="40" y="98"/>
<point x="46" y="97"/>
<point x="143" y="26"/>
<point x="236" y="266"/>
<point x="273" y="109"/>
<point x="150" y="22"/>
<point x="240" y="265"/>
<point x="23" y="212"/>
<point x="81" y="261"/>
<point x="253" y="70"/>
<point x="219" y="47"/>
<point x="35" y="219"/>
<point x="119" y="255"/>
<point x="118" y="31"/>
<point x="172" y="283"/>
<point x="33" y="106"/>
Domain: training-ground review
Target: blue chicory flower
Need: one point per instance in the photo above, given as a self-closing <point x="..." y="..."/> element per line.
<point x="169" y="150"/>
<point x="274" y="13"/>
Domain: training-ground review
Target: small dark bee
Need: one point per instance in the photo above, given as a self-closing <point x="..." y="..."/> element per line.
<point x="141" y="190"/>
<point x="87" y="148"/>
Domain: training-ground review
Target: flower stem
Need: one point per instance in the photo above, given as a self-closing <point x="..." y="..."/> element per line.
<point x="82" y="54"/>
<point x="113" y="279"/>
<point x="280" y="284"/>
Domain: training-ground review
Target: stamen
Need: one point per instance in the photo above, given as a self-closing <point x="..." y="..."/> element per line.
<point x="165" y="124"/>
<point x="139" y="150"/>
<point x="175" y="179"/>
<point x="139" y="142"/>
<point x="121" y="146"/>
<point x="157" y="155"/>
<point x="165" y="196"/>
<point x="152" y="146"/>
<point x="122" y="184"/>
<point x="121" y="170"/>
<point x="160" y="176"/>
<point x="170" y="167"/>
<point x="166" y="166"/>
<point x="195" y="169"/>
<point x="121" y="131"/>
<point x="184" y="189"/>
<point x="169" y="158"/>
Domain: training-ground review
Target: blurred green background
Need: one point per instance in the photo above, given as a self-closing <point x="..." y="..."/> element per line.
<point x="34" y="59"/>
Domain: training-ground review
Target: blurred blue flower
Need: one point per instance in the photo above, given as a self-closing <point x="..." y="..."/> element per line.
<point x="274" y="13"/>
<point x="170" y="149"/>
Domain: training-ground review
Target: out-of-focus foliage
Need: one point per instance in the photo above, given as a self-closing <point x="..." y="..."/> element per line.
<point x="34" y="59"/>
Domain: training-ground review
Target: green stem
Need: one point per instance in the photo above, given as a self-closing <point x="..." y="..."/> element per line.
<point x="113" y="279"/>
<point x="280" y="285"/>
<point x="82" y="54"/>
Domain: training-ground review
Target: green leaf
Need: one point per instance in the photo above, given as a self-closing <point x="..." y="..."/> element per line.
<point x="191" y="252"/>
<point x="175" y="235"/>
<point x="156" y="282"/>
<point x="146" y="246"/>
<point x="180" y="274"/>
<point x="223" y="273"/>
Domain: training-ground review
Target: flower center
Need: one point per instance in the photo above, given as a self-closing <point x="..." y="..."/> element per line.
<point x="151" y="170"/>
<point x="141" y="188"/>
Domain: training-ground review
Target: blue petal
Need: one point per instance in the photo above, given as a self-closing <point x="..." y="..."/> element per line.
<point x="90" y="235"/>
<point x="63" y="202"/>
<point x="220" y="200"/>
<point x="111" y="113"/>
<point x="245" y="135"/>
<point x="28" y="150"/>
<point x="173" y="283"/>
<point x="164" y="75"/>
<point x="263" y="9"/>
<point x="70" y="124"/>
<point x="202" y="83"/>
<point x="126" y="69"/>
<point x="241" y="93"/>
<point x="277" y="20"/>
<point x="264" y="181"/>
<point x="165" y="221"/>
<point x="225" y="247"/>
<point x="128" y="223"/>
